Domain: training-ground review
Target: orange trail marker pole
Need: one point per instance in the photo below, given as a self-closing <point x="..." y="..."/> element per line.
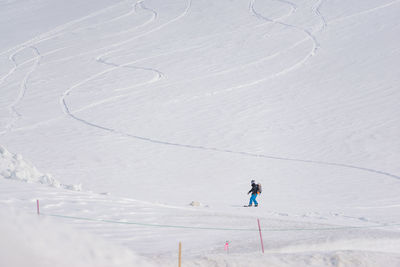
<point x="180" y="254"/>
<point x="259" y="229"/>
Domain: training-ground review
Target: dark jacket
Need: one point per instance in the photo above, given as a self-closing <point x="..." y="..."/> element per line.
<point x="254" y="189"/>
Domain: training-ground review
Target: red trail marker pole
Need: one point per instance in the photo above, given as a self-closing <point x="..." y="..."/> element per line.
<point x="37" y="206"/>
<point x="259" y="229"/>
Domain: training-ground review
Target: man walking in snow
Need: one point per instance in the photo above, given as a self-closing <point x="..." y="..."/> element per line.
<point x="254" y="192"/>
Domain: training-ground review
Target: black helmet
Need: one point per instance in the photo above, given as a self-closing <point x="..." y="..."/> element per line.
<point x="253" y="182"/>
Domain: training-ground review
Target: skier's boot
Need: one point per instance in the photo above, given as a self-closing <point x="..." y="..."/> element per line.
<point x="256" y="205"/>
<point x="249" y="205"/>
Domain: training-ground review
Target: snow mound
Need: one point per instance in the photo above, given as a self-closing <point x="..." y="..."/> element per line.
<point x="13" y="166"/>
<point x="27" y="240"/>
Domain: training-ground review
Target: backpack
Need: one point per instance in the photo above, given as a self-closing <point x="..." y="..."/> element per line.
<point x="259" y="188"/>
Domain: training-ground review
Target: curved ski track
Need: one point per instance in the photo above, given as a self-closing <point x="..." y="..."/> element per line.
<point x="23" y="86"/>
<point x="100" y="59"/>
<point x="309" y="36"/>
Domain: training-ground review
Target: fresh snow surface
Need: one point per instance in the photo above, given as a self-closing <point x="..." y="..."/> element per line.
<point x="138" y="124"/>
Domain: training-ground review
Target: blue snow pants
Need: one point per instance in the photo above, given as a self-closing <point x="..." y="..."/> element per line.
<point x="253" y="199"/>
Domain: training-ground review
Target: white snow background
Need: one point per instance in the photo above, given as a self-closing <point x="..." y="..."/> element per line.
<point x="139" y="124"/>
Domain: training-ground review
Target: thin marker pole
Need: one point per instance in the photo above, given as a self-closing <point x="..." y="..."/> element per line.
<point x="180" y="254"/>
<point x="259" y="229"/>
<point x="37" y="206"/>
<point x="227" y="247"/>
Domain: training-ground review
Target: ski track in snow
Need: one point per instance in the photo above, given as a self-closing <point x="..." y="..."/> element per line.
<point x="185" y="13"/>
<point x="159" y="74"/>
<point x="23" y="86"/>
<point x="153" y="17"/>
<point x="127" y="14"/>
<point x="371" y="10"/>
<point x="100" y="59"/>
<point x="309" y="36"/>
<point x="317" y="12"/>
<point x="59" y="31"/>
<point x="56" y="31"/>
<point x="293" y="9"/>
<point x="113" y="47"/>
<point x="17" y="66"/>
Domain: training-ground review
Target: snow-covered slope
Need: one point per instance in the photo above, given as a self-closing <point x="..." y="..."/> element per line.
<point x="151" y="105"/>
